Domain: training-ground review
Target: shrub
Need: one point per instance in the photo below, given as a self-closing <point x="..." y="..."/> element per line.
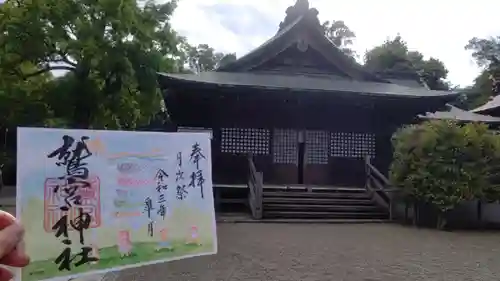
<point x="444" y="163"/>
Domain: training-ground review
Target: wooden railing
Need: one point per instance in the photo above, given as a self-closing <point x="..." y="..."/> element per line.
<point x="379" y="187"/>
<point x="1" y="177"/>
<point x="255" y="186"/>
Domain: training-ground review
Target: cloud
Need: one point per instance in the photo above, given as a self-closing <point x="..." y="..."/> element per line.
<point x="439" y="29"/>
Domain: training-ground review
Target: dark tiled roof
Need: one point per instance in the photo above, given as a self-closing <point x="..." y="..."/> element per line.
<point x="490" y="105"/>
<point x="298" y="82"/>
<point x="458" y="114"/>
<point x="306" y="22"/>
<point x="407" y="82"/>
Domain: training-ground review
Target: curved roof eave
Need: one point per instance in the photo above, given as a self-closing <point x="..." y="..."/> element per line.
<point x="299" y="82"/>
<point x="458" y="114"/>
<point x="492" y="104"/>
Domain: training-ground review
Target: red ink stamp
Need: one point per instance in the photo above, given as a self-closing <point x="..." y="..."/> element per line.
<point x="91" y="203"/>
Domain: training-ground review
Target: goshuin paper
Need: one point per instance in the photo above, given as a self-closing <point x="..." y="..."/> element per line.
<point x="98" y="201"/>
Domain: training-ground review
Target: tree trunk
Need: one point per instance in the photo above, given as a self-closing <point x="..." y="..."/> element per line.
<point x="415" y="213"/>
<point x="441" y="221"/>
<point x="82" y="115"/>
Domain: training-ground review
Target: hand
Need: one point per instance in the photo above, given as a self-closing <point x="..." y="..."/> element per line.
<point x="12" y="252"/>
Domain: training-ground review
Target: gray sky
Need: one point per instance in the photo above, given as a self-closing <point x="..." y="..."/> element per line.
<point x="436" y="28"/>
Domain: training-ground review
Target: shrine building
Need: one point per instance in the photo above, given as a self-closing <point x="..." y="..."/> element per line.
<point x="305" y="111"/>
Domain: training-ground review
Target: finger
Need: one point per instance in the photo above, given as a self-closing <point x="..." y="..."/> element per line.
<point x="6" y="219"/>
<point x="9" y="238"/>
<point x="5" y="274"/>
<point x="16" y="258"/>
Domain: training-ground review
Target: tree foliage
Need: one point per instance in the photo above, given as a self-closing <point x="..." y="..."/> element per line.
<point x="479" y="92"/>
<point x="486" y="53"/>
<point x="341" y="35"/>
<point x="23" y="102"/>
<point x="394" y="56"/>
<point x="204" y="58"/>
<point x="111" y="49"/>
<point x="445" y="163"/>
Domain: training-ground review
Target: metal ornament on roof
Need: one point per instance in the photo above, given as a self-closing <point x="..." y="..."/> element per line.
<point x="302" y="45"/>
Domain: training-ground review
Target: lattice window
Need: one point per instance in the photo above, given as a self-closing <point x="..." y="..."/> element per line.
<point x="352" y="145"/>
<point x="317" y="143"/>
<point x="285" y="146"/>
<point x="245" y="140"/>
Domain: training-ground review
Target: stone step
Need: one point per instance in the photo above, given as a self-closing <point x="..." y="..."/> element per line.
<point x="320" y="208"/>
<point x="8" y="201"/>
<point x="338" y="195"/>
<point x="233" y="200"/>
<point x="329" y="201"/>
<point x="247" y="219"/>
<point x="230" y="186"/>
<point x="8" y="191"/>
<point x="324" y="215"/>
<point x="312" y="188"/>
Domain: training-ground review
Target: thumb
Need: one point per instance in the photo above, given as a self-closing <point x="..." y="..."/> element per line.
<point x="17" y="257"/>
<point x="10" y="238"/>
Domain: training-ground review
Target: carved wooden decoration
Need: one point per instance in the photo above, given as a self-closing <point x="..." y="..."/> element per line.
<point x="245" y="140"/>
<point x="352" y="145"/>
<point x="317" y="144"/>
<point x="285" y="146"/>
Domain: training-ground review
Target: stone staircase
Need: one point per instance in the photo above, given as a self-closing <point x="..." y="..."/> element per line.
<point x="319" y="203"/>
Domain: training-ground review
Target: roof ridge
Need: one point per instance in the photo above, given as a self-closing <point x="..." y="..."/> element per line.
<point x="300" y="9"/>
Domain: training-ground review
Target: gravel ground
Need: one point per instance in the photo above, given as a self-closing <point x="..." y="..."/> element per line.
<point x="333" y="252"/>
<point x="366" y="252"/>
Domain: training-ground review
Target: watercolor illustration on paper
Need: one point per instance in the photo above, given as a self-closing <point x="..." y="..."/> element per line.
<point x="99" y="201"/>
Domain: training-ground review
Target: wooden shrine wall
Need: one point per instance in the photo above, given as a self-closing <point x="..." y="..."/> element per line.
<point x="347" y="151"/>
<point x="230" y="149"/>
<point x="329" y="158"/>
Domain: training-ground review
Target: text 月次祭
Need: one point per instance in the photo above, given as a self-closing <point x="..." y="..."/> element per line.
<point x="99" y="201"/>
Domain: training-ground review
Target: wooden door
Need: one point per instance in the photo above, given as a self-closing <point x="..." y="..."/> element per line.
<point x="316" y="169"/>
<point x="347" y="151"/>
<point x="285" y="156"/>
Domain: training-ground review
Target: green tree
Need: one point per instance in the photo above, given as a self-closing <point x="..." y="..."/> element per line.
<point x="445" y="163"/>
<point x="394" y="56"/>
<point x="205" y="58"/>
<point x="479" y="92"/>
<point x="486" y="53"/>
<point x="340" y="34"/>
<point x="23" y="102"/>
<point x="228" y="58"/>
<point x="111" y="49"/>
